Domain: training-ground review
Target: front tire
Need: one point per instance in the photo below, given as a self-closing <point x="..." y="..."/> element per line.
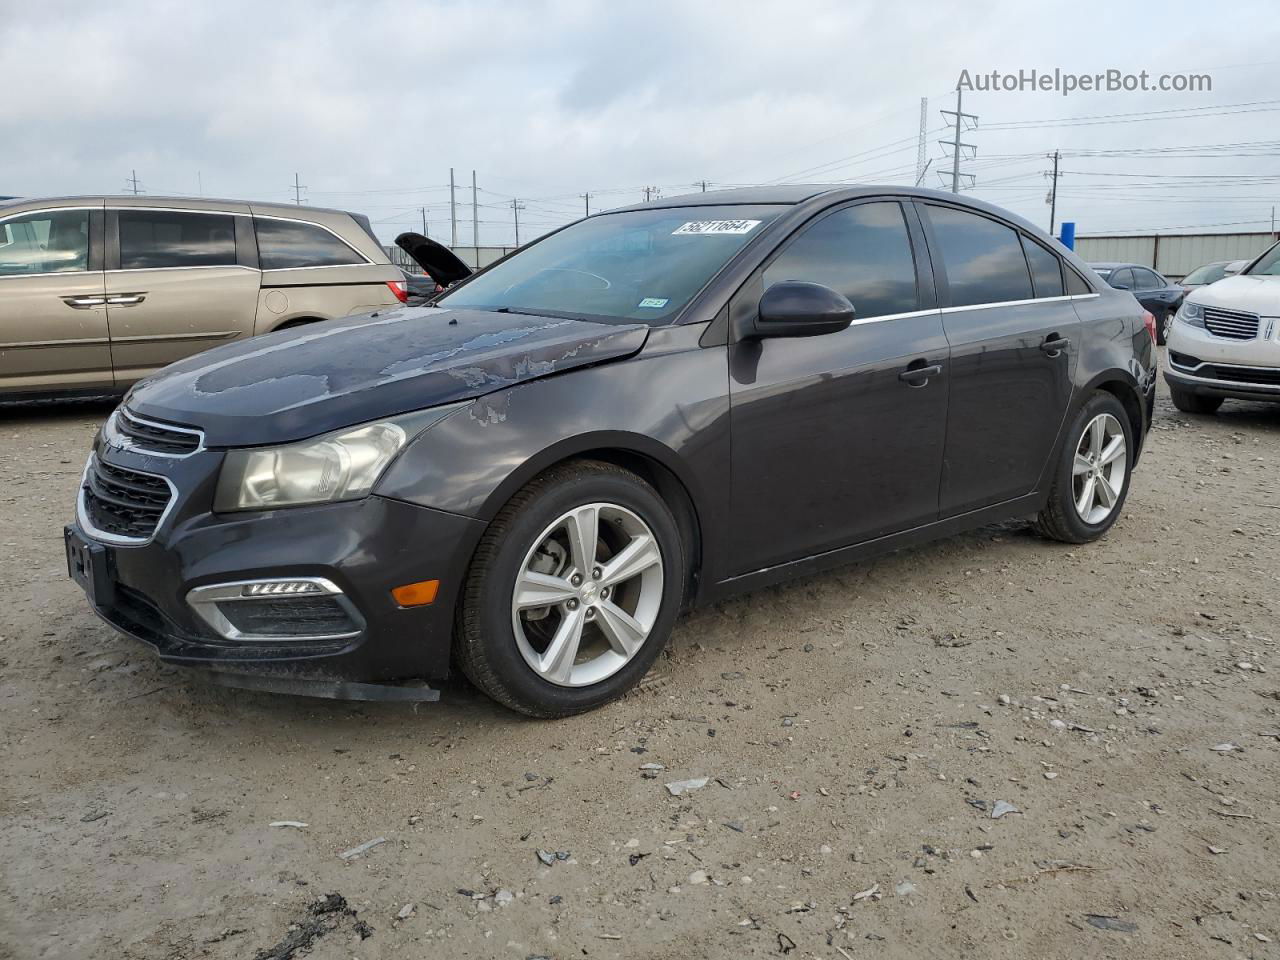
<point x="1189" y="402"/>
<point x="1091" y="478"/>
<point x="572" y="593"/>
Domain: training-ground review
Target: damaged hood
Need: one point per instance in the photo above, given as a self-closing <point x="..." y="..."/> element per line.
<point x="310" y="380"/>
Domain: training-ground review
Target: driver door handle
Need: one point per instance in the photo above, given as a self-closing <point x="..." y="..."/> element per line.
<point x="1055" y="345"/>
<point x="84" y="303"/>
<point x="919" y="376"/>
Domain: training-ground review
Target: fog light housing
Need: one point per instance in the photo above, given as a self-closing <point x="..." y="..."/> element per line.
<point x="278" y="609"/>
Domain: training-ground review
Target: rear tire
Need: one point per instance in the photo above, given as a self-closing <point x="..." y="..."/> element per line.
<point x="603" y="622"/>
<point x="1091" y="478"/>
<point x="1189" y="402"/>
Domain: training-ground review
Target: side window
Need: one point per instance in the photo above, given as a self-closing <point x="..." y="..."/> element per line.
<point x="151" y="239"/>
<point x="863" y="251"/>
<point x="285" y="244"/>
<point x="1148" y="280"/>
<point x="983" y="258"/>
<point x="1076" y="284"/>
<point x="1046" y="269"/>
<point x="55" y="241"/>
<point x="1121" y="278"/>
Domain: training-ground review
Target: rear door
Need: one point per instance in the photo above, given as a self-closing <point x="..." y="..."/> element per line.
<point x="1013" y="352"/>
<point x="175" y="285"/>
<point x="838" y="439"/>
<point x="53" y="318"/>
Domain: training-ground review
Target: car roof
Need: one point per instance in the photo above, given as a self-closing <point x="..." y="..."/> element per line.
<point x="155" y="200"/>
<point x="796" y="193"/>
<point x="1109" y="265"/>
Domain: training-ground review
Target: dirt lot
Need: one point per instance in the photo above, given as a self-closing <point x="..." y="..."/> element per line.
<point x="858" y="729"/>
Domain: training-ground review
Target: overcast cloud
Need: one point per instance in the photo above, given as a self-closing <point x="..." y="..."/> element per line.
<point x="372" y="102"/>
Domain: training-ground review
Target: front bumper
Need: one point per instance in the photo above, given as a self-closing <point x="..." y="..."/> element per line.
<point x="365" y="548"/>
<point x="1200" y="363"/>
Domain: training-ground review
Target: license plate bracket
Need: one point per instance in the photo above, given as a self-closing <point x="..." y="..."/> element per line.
<point x="88" y="565"/>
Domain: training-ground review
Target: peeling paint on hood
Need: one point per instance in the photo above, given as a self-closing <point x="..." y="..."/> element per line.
<point x="309" y="380"/>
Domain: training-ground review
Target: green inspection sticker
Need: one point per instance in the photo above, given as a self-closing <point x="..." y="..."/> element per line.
<point x="654" y="302"/>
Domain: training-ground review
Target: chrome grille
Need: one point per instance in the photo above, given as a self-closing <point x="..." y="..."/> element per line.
<point x="1230" y="324"/>
<point x="118" y="504"/>
<point x="132" y="432"/>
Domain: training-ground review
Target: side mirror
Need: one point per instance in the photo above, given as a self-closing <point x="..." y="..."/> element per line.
<point x="795" y="308"/>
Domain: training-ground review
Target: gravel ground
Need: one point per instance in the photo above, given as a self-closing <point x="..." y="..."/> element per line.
<point x="859" y="730"/>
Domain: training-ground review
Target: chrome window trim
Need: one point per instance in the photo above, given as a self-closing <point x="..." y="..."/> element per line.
<point x="204" y="603"/>
<point x="120" y="442"/>
<point x="116" y="539"/>
<point x="199" y="266"/>
<point x="1020" y="303"/>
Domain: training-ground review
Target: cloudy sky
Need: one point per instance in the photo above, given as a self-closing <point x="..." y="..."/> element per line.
<point x="371" y="103"/>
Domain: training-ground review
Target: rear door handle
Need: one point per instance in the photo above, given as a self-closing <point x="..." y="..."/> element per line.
<point x="919" y="376"/>
<point x="84" y="303"/>
<point x="1055" y="346"/>
<point x="126" y="299"/>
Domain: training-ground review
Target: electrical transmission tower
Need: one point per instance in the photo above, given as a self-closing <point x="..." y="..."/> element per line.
<point x="516" y="207"/>
<point x="298" y="187"/>
<point x="963" y="123"/>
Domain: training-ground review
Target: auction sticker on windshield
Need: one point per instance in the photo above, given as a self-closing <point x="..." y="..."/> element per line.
<point x="716" y="227"/>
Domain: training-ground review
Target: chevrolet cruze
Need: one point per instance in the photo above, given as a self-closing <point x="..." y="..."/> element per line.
<point x="651" y="408"/>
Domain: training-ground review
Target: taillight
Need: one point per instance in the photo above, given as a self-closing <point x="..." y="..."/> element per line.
<point x="1150" y="322"/>
<point x="400" y="289"/>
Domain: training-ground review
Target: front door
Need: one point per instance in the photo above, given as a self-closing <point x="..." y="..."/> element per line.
<point x="53" y="318"/>
<point x="174" y="287"/>
<point x="837" y="439"/>
<point x="1013" y="352"/>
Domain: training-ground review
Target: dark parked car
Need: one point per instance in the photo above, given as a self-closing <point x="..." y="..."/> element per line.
<point x="651" y="408"/>
<point x="441" y="266"/>
<point x="1160" y="296"/>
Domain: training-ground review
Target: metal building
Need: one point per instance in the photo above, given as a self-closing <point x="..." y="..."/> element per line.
<point x="1174" y="255"/>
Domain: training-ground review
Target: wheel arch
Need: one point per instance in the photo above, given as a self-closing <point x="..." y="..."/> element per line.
<point x="652" y="461"/>
<point x="1124" y="387"/>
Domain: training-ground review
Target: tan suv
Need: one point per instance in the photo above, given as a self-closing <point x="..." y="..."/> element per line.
<point x="97" y="292"/>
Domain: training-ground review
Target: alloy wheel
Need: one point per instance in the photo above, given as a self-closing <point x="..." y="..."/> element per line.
<point x="1099" y="468"/>
<point x="587" y="594"/>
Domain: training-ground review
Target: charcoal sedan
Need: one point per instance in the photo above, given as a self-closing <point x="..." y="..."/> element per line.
<point x="649" y="409"/>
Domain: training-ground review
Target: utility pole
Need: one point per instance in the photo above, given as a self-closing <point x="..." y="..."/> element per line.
<point x="297" y="191"/>
<point x="956" y="144"/>
<point x="453" y="211"/>
<point x="651" y="193"/>
<point x="424" y="222"/>
<point x="586" y="204"/>
<point x="516" y="207"/>
<point x="475" y="214"/>
<point x="133" y="181"/>
<point x="922" y="163"/>
<point x="703" y="184"/>
<point x="1053" y="193"/>
<point x="200" y="183"/>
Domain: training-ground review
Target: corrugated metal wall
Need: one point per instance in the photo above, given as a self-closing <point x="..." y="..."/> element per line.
<point x="1174" y="255"/>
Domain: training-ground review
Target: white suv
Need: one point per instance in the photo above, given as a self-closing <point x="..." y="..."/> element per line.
<point x="1225" y="339"/>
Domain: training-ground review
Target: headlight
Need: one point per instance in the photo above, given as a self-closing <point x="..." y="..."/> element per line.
<point x="1191" y="314"/>
<point x="338" y="466"/>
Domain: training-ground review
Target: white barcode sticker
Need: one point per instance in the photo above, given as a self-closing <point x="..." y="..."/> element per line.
<point x="715" y="227"/>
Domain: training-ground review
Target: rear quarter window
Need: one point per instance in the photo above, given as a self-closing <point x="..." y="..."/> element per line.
<point x="290" y="244"/>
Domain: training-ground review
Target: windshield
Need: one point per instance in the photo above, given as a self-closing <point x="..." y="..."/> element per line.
<point x="1209" y="273"/>
<point x="641" y="265"/>
<point x="1268" y="265"/>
